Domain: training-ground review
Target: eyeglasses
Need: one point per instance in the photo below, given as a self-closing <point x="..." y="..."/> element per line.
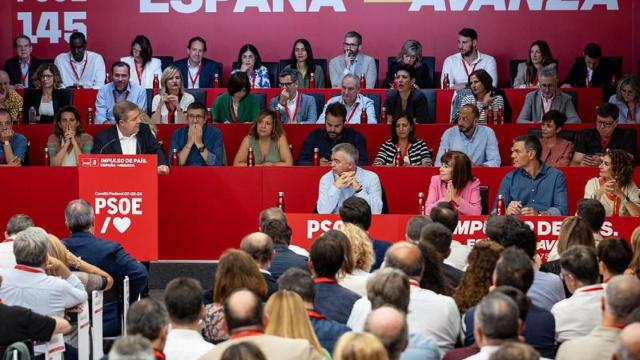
<point x="195" y="117"/>
<point x="605" y="123"/>
<point x="286" y="84"/>
<point x="350" y="45"/>
<point x="547" y="86"/>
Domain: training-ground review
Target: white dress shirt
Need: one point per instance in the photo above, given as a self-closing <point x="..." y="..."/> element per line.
<point x="183" y="344"/>
<point x="185" y="101"/>
<point x="90" y="71"/>
<point x="458" y="256"/>
<point x="580" y="314"/>
<point x="485" y="353"/>
<point x="356" y="282"/>
<point x="151" y="68"/>
<point x="459" y="71"/>
<point x="354" y="112"/>
<point x="7" y="258"/>
<point x="129" y="144"/>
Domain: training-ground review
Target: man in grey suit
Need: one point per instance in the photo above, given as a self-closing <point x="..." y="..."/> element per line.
<point x="547" y="98"/>
<point x="353" y="62"/>
<point x="294" y="107"/>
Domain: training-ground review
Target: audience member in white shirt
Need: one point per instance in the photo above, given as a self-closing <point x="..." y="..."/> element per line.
<point x="459" y="65"/>
<point x="16" y="223"/>
<point x="81" y="67"/>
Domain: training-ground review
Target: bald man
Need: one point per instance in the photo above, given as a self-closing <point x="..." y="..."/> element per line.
<point x="629" y="343"/>
<point x="390" y="326"/>
<point x="9" y="98"/>
<point x="260" y="247"/>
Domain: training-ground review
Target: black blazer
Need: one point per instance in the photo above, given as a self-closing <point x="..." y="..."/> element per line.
<point x="601" y="75"/>
<point x="12" y="67"/>
<point x="33" y="97"/>
<point x="107" y="142"/>
<point x="209" y="69"/>
<point x="417" y="106"/>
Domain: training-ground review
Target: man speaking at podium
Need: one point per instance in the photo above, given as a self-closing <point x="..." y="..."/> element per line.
<point x="128" y="136"/>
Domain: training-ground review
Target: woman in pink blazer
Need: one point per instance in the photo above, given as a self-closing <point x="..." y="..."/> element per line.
<point x="455" y="185"/>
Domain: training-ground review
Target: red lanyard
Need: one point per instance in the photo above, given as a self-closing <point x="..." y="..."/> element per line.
<point x="405" y="151"/>
<point x="414" y="283"/>
<point x="315" y="315"/>
<point x="139" y="73"/>
<point x="86" y="61"/>
<point x="234" y="116"/>
<point x="194" y="79"/>
<point x="295" y="112"/>
<point x="353" y="112"/>
<point x="29" y="269"/>
<point x="159" y="354"/>
<point x="631" y="115"/>
<point x="324" y="280"/>
<point x="592" y="289"/>
<point x="247" y="333"/>
<point x="170" y="116"/>
<point x="464" y="64"/>
<point x="23" y="77"/>
<point x="115" y="98"/>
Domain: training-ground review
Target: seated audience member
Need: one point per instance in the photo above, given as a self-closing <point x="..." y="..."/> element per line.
<point x="410" y="54"/>
<point x="363" y="258"/>
<point x="548" y="97"/>
<point x="354" y="103"/>
<point x="327" y="331"/>
<point x="45" y="97"/>
<point x="455" y="185"/>
<point x="494" y="227"/>
<point x="183" y="297"/>
<point x="245" y="321"/>
<point x="634" y="266"/>
<point x="478" y="142"/>
<point x="614" y="187"/>
<point x="356" y="210"/>
<point x="10" y="100"/>
<point x="268" y="142"/>
<point x="129" y="136"/>
<point x="592" y="71"/>
<point x="326" y="258"/>
<point x="169" y="106"/>
<point x="303" y="62"/>
<point x="447" y="215"/>
<point x="16" y="223"/>
<point x="198" y="143"/>
<point x="579" y="314"/>
<point x="14" y="146"/>
<point x="627" y="99"/>
<point x="476" y="280"/>
<point x="250" y="63"/>
<point x="496" y="322"/>
<point x="23" y="65"/>
<point x="364" y="345"/>
<point x="459" y="65"/>
<point x="353" y="62"/>
<point x="347" y="179"/>
<point x="285" y="257"/>
<point x="149" y="318"/>
<point x="143" y="67"/>
<point x="592" y="143"/>
<point x="243" y="351"/>
<point x="293" y="106"/>
<point x="116" y="91"/>
<point x="406" y="99"/>
<point x="614" y="257"/>
<point x="556" y="151"/>
<point x="237" y="104"/>
<point x="80" y="68"/>
<point x="515" y="350"/>
<point x="573" y="231"/>
<point x="528" y="75"/>
<point x="259" y="246"/>
<point x="622" y="296"/>
<point x="628" y="345"/>
<point x="132" y="347"/>
<point x="533" y="188"/>
<point x="68" y="140"/>
<point x="434" y="279"/>
<point x="440" y="238"/>
<point x="414" y="228"/>
<point x="483" y="95"/>
<point x="593" y="212"/>
<point x="415" y="152"/>
<point x="236" y="270"/>
<point x="200" y="71"/>
<point x="332" y="134"/>
<point x="104" y="254"/>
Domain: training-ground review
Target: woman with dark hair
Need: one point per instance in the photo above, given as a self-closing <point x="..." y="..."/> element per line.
<point x="556" y="151"/>
<point x="303" y="62"/>
<point x="614" y="187"/>
<point x="243" y="351"/>
<point x="171" y="103"/>
<point x="403" y="138"/>
<point x="143" y="66"/>
<point x="406" y="98"/>
<point x="476" y="281"/>
<point x="46" y="96"/>
<point x="249" y="62"/>
<point x="237" y="104"/>
<point x="410" y="54"/>
<point x="627" y="99"/>
<point x="483" y="95"/>
<point x="433" y="277"/>
<point x="539" y="58"/>
<point x="68" y="140"/>
<point x="455" y="185"/>
<point x="268" y="142"/>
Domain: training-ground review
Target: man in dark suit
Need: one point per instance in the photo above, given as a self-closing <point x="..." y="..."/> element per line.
<point x="592" y="71"/>
<point x="285" y="258"/>
<point x="128" y="136"/>
<point x="106" y="255"/>
<point x="23" y="65"/>
<point x="198" y="71"/>
<point x="260" y="247"/>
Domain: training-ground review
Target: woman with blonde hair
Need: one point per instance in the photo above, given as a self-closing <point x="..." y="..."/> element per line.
<point x="634" y="266"/>
<point x="359" y="346"/>
<point x="573" y="231"/>
<point x="363" y="258"/>
<point x="288" y="318"/>
<point x="170" y="105"/>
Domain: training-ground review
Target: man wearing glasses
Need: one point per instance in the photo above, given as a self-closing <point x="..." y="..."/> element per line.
<point x="294" y="107"/>
<point x="21" y="66"/>
<point x="592" y="143"/>
<point x="547" y="98"/>
<point x="197" y="144"/>
<point x="353" y="62"/>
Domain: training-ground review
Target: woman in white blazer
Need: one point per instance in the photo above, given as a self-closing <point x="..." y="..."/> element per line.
<point x="143" y="67"/>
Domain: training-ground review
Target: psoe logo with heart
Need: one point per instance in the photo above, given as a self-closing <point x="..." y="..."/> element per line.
<point x="119" y="212"/>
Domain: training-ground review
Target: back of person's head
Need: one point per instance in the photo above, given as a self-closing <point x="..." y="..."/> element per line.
<point x="415" y="225"/>
<point x="243" y="309"/>
<point x="31" y="246"/>
<point x="359" y="346"/>
<point x="327" y="254"/>
<point x="259" y="246"/>
<point x="519" y="234"/>
<point x="433" y="275"/>
<point x="496" y="317"/>
<point x="348" y="263"/>
<point x="147" y="317"/>
<point x="389" y="287"/>
<point x="237" y="270"/>
<point x="362" y="253"/>
<point x="622" y="296"/>
<point x="17" y="223"/>
<point x="519" y="297"/>
<point x="78" y="215"/>
<point x="243" y="351"/>
<point x="515" y="350"/>
<point x="183" y="297"/>
<point x="581" y="262"/>
<point x="592" y="211"/>
<point x="273" y="213"/>
<point x="477" y="278"/>
<point x="405" y="257"/>
<point x="616" y="254"/>
<point x="131" y="347"/>
<point x="628" y="347"/>
<point x="278" y="230"/>
<point x="438" y="236"/>
<point x="445" y="214"/>
<point x="356" y="210"/>
<point x="288" y="318"/>
<point x="390" y="326"/>
<point x="574" y="231"/>
<point x="514" y="268"/>
<point x="300" y="282"/>
<point x="493" y="229"/>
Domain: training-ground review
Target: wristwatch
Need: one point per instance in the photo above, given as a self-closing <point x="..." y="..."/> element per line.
<point x="7" y="143"/>
<point x="202" y="149"/>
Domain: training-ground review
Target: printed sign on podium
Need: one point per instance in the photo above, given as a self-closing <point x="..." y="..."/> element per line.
<point x="123" y="190"/>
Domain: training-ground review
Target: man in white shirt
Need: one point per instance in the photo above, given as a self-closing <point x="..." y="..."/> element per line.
<point x="16" y="223"/>
<point x="353" y="62"/>
<point x="183" y="297"/>
<point x="460" y="65"/>
<point x="355" y="103"/>
<point x="80" y="67"/>
<point x="496" y="322"/>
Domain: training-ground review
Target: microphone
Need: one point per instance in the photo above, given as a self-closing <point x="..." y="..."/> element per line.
<point x="107" y="144"/>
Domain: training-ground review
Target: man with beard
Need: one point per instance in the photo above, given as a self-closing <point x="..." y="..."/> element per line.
<point x="118" y="90"/>
<point x="459" y="65"/>
<point x="547" y="98"/>
<point x="80" y="67"/>
<point x="353" y="62"/>
<point x="355" y="102"/>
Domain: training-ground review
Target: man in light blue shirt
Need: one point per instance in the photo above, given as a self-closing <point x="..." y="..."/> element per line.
<point x="345" y="180"/>
<point x="118" y="90"/>
<point x="355" y="103"/>
<point x="477" y="141"/>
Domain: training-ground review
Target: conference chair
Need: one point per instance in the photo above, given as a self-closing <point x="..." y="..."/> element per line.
<point x="165" y="61"/>
<point x="513" y="69"/>
<point x="484" y="199"/>
<point x="376" y="103"/>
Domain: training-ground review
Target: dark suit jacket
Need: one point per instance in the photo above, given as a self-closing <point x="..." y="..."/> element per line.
<point x="452" y="275"/>
<point x="33" y="97"/>
<point x="209" y="69"/>
<point x="423" y="78"/>
<point x="107" y="142"/>
<point x="286" y="259"/>
<point x="272" y="285"/>
<point x="12" y="67"/>
<point x="601" y="74"/>
<point x="417" y="106"/>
